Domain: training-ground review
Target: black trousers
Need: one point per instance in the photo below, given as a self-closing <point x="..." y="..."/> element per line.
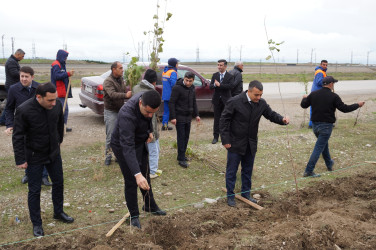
<point x="183" y="130"/>
<point x="218" y="109"/>
<point x="34" y="172"/>
<point x="130" y="184"/>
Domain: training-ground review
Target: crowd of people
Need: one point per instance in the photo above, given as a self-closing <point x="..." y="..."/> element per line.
<point x="36" y="116"/>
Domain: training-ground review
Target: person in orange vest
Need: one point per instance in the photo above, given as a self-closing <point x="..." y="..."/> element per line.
<point x="169" y="77"/>
<point x="60" y="78"/>
<point x="320" y="74"/>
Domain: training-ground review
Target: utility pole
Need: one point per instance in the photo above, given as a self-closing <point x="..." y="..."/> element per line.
<point x="197" y="55"/>
<point x="33" y="56"/>
<point x="351" y="61"/>
<point x="240" y="57"/>
<point x="368" y="55"/>
<point x="65" y="46"/>
<point x="123" y="58"/>
<point x="297" y="56"/>
<point x="13" y="39"/>
<point x="312" y="55"/>
<point x="142" y="50"/>
<point x="2" y="41"/>
<point x="229" y="53"/>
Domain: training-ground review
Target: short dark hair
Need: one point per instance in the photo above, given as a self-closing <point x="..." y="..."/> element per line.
<point x="150" y="75"/>
<point x="19" y="51"/>
<point x="324" y="61"/>
<point x="27" y="70"/>
<point x="114" y="65"/>
<point x="189" y="75"/>
<point x="222" y="60"/>
<point x="255" y="84"/>
<point x="43" y="88"/>
<point x="151" y="98"/>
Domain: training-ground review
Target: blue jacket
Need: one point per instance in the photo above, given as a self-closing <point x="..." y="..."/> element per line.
<point x="17" y="94"/>
<point x="59" y="74"/>
<point x="169" y="78"/>
<point x="317" y="81"/>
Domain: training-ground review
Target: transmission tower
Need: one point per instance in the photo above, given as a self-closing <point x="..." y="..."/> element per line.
<point x="65" y="46"/>
<point x="229" y="53"/>
<point x="2" y="42"/>
<point x="33" y="56"/>
<point x="12" y="39"/>
<point x="197" y="55"/>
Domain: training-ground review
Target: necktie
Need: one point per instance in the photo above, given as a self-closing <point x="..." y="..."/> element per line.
<point x="221" y="79"/>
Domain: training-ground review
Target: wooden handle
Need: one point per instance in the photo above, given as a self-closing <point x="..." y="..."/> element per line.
<point x="254" y="205"/>
<point x="117" y="225"/>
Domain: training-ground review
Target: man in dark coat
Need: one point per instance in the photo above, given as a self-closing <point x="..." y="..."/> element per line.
<point x="60" y="78"/>
<point x="37" y="134"/>
<point x="12" y="75"/>
<point x="133" y="130"/>
<point x="238" y="78"/>
<point x="182" y="106"/>
<point x="239" y="127"/>
<point x="19" y="93"/>
<point x="222" y="82"/>
<point x="324" y="103"/>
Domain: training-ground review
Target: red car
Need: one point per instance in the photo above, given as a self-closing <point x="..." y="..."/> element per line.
<point x="92" y="89"/>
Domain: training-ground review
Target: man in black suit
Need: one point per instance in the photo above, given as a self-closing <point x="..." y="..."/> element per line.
<point x="222" y="82"/>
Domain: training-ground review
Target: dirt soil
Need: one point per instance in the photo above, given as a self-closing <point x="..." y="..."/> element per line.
<point x="338" y="214"/>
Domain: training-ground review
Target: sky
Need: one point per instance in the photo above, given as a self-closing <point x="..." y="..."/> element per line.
<point x="340" y="31"/>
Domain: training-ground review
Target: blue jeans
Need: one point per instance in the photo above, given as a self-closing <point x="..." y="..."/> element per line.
<point x="62" y="100"/>
<point x="233" y="160"/>
<point x="166" y="113"/>
<point x="153" y="148"/>
<point x="310" y="116"/>
<point x="322" y="131"/>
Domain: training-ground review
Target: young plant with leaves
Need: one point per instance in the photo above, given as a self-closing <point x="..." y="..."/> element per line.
<point x="134" y="72"/>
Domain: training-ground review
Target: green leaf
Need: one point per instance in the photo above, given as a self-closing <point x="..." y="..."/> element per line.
<point x="270" y="41"/>
<point x="268" y="57"/>
<point x="155" y="17"/>
<point x="272" y="48"/>
<point x="169" y="15"/>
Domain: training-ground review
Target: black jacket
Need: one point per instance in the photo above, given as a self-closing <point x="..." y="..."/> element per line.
<point x="238" y="81"/>
<point x="183" y="102"/>
<point x="37" y="133"/>
<point x="240" y="120"/>
<point x="324" y="103"/>
<point x="17" y="94"/>
<point x="223" y="92"/>
<point x="130" y="134"/>
<point x="12" y="71"/>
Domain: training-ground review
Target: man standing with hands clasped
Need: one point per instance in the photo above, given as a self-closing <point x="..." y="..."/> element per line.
<point x="222" y="82"/>
<point x="324" y="103"/>
<point x="182" y="106"/>
<point x="239" y="127"/>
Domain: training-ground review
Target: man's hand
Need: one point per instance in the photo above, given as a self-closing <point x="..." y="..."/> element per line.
<point x="217" y="83"/>
<point x="71" y="72"/>
<point x="8" y="131"/>
<point x="198" y="119"/>
<point x="227" y="146"/>
<point x="23" y="166"/>
<point x="286" y="120"/>
<point x="128" y="94"/>
<point x="361" y="104"/>
<point x="142" y="182"/>
<point x="305" y="96"/>
<point x="173" y="121"/>
<point x="151" y="137"/>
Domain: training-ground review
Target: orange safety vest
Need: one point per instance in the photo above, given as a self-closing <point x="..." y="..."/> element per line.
<point x="166" y="75"/>
<point x="320" y="71"/>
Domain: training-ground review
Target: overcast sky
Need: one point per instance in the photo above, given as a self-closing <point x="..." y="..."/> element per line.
<point x="105" y="30"/>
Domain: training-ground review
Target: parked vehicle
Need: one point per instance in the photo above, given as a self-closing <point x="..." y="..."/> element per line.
<point x="91" y="94"/>
<point x="3" y="93"/>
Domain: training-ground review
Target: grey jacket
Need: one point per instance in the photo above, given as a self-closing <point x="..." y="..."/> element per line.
<point x="144" y="85"/>
<point x="238" y="81"/>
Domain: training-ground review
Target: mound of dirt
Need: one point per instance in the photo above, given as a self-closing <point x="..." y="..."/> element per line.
<point x="331" y="215"/>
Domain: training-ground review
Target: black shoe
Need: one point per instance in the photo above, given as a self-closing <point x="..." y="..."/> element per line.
<point x="38" y="231"/>
<point x="157" y="211"/>
<point x="312" y="174"/>
<point x="107" y="161"/>
<point x="187" y="159"/>
<point x="68" y="129"/>
<point x="63" y="217"/>
<point x="250" y="199"/>
<point x="330" y="168"/>
<point x="136" y="222"/>
<point x="46" y="182"/>
<point x="166" y="127"/>
<point x="215" y="140"/>
<point x="231" y="201"/>
<point x="24" y="179"/>
<point x="183" y="164"/>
